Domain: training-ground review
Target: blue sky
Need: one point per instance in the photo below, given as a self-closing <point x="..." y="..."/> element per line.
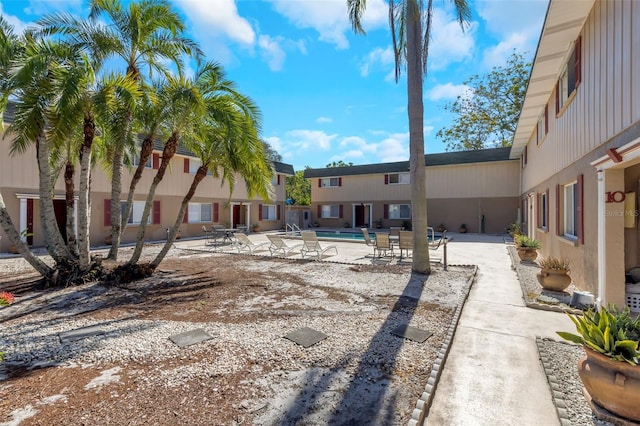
<point x="327" y="94"/>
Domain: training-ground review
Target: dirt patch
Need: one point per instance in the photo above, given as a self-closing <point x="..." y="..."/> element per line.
<point x="248" y="373"/>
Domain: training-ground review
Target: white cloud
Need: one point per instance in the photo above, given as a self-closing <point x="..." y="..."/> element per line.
<point x="18" y="25"/>
<point x="275" y="143"/>
<point x="324" y="120"/>
<point x="222" y="19"/>
<point x="310" y="139"/>
<point x="329" y="17"/>
<point x="516" y="24"/>
<point x="352" y="154"/>
<point x="377" y="58"/>
<point x="359" y="143"/>
<point x="448" y="91"/>
<point x="43" y="7"/>
<point x="449" y="43"/>
<point x="394" y="148"/>
<point x="273" y="50"/>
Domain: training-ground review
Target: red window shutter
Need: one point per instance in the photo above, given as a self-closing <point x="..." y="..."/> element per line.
<point x="577" y="54"/>
<point x="107" y="212"/>
<point x="319" y="183"/>
<point x="558" y="227"/>
<point x="156" y="161"/>
<point x="525" y="154"/>
<point x="259" y="211"/>
<point x="547" y="211"/>
<point x="557" y="98"/>
<point x="385" y="212"/>
<point x="278" y="179"/>
<point x="546" y="119"/>
<point x="156" y="212"/>
<point x="580" y="210"/>
<point x="339" y="181"/>
<point x="341" y="211"/>
<point x="278" y="212"/>
<point x="185" y="218"/>
<point x="539" y="211"/>
<point x="216" y="211"/>
<point x="319" y="211"/>
<point x="386" y="179"/>
<point x="186" y="165"/>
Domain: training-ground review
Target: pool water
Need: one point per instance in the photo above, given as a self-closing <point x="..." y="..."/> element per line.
<point x="345" y="235"/>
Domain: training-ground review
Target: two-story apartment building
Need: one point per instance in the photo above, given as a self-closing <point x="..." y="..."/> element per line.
<point x="477" y="188"/>
<point x="578" y="140"/>
<point x="213" y="203"/>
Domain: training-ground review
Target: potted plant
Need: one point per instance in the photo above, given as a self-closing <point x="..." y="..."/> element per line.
<point x="255" y="227"/>
<point x="554" y="273"/>
<point x="515" y="229"/>
<point x="378" y="223"/>
<point x="610" y="371"/>
<point x="527" y="247"/>
<point x="463" y="228"/>
<point x="441" y="228"/>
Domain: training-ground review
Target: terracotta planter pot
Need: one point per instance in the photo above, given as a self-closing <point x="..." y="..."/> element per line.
<point x="614" y="385"/>
<point x="553" y="279"/>
<point x="529" y="254"/>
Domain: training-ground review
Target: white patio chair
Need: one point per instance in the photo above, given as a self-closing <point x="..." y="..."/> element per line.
<point x="312" y="245"/>
<point x="278" y="245"/>
<point x="243" y="243"/>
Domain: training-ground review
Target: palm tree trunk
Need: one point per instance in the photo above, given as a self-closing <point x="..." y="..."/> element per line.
<point x="116" y="192"/>
<point x="84" y="200"/>
<point x="53" y="239"/>
<point x="145" y="152"/>
<point x="14" y="237"/>
<point x="200" y="175"/>
<point x="421" y="263"/>
<point x="69" y="174"/>
<point x="169" y="151"/>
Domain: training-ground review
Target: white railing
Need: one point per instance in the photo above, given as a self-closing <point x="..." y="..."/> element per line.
<point x="291" y="229"/>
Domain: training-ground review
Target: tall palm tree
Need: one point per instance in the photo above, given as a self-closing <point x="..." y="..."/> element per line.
<point x="408" y="19"/>
<point x="145" y="34"/>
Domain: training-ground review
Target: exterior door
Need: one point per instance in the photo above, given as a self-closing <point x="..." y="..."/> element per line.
<point x="60" y="211"/>
<point x="359" y="216"/>
<point x="30" y="221"/>
<point x="236" y="215"/>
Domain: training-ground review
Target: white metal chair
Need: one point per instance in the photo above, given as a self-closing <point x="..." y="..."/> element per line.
<point x="312" y="245"/>
<point x="243" y="243"/>
<point x="278" y="245"/>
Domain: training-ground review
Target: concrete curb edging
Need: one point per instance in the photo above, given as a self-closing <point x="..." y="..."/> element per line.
<point x="426" y="399"/>
<point x="556" y="394"/>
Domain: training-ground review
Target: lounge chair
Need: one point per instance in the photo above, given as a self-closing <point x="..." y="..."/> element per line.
<point x="367" y="238"/>
<point x="405" y="242"/>
<point x="244" y="243"/>
<point x="278" y="245"/>
<point x="383" y="245"/>
<point x="312" y="245"/>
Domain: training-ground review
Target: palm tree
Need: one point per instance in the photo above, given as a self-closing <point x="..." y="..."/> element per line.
<point x="146" y="34"/>
<point x="407" y="18"/>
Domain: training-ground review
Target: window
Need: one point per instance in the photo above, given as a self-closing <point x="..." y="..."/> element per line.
<point x="328" y="182"/>
<point x="524" y="156"/>
<point x="194" y="165"/>
<point x="135" y="218"/>
<point x="571" y="210"/>
<point x="570" y="77"/>
<point x="399" y="211"/>
<point x="399" y="178"/>
<point x="148" y="164"/>
<point x="268" y="212"/>
<point x="200" y="212"/>
<point x="543" y="126"/>
<point x="543" y="209"/>
<point x="330" y="212"/>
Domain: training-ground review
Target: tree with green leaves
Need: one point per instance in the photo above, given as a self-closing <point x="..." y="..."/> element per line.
<point x="408" y="19"/>
<point x="487" y="115"/>
<point x="339" y="164"/>
<point x="299" y="188"/>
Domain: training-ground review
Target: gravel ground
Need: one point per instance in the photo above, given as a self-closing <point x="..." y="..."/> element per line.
<point x="562" y="358"/>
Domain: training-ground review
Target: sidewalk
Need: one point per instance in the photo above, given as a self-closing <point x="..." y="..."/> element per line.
<point x="493" y="375"/>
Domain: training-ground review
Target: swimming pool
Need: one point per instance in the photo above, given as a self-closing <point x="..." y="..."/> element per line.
<point x="343" y="235"/>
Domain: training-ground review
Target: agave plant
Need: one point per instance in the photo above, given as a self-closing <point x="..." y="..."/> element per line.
<point x="612" y="333"/>
<point x="522" y="241"/>
<point x="554" y="263"/>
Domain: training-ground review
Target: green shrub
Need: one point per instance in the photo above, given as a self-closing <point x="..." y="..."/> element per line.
<point x="522" y="241"/>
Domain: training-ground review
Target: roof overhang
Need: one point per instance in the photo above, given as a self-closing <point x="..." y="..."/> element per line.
<point x="562" y="25"/>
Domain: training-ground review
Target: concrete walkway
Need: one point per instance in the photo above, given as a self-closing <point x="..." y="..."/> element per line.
<point x="493" y="375"/>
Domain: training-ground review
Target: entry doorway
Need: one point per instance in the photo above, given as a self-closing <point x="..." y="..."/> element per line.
<point x="359" y="216"/>
<point x="362" y="216"/>
<point x="60" y="212"/>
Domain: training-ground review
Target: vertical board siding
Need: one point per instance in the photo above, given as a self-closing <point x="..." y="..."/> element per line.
<point x="606" y="102"/>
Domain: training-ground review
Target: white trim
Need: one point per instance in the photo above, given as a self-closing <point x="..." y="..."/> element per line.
<point x="629" y="152"/>
<point x="602" y="253"/>
<point x="353" y="213"/>
<point x="247" y="215"/>
<point x="23" y="218"/>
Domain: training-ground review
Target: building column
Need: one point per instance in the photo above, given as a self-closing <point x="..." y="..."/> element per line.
<point x="23" y="218"/>
<point x="611" y="272"/>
